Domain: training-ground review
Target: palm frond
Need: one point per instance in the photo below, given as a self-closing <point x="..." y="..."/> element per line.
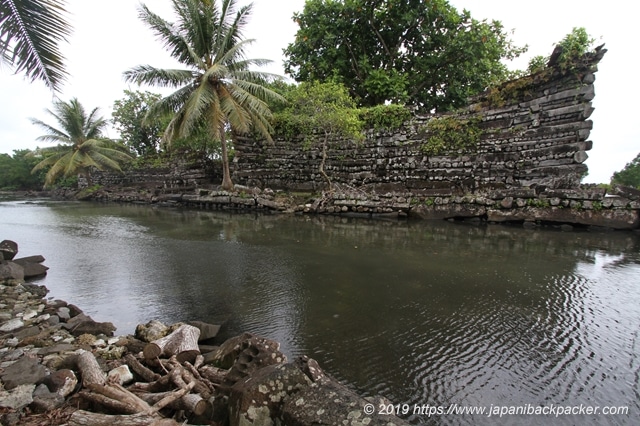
<point x="146" y="74"/>
<point x="54" y="135"/>
<point x="200" y="100"/>
<point x="169" y="105"/>
<point x="170" y="35"/>
<point x="30" y="32"/>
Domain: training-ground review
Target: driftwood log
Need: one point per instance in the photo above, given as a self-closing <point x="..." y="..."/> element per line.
<point x="87" y="418"/>
<point x="183" y="343"/>
<point x="91" y="372"/>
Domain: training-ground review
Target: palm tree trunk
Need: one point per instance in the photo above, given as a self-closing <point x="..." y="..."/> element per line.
<point x="227" y="184"/>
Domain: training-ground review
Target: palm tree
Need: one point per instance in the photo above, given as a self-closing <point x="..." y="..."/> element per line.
<point x="217" y="88"/>
<point x="29" y="34"/>
<point x="81" y="145"/>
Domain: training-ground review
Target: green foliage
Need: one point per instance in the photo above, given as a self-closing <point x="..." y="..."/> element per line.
<point x="81" y="144"/>
<point x="30" y="31"/>
<point x="537" y="64"/>
<point x="538" y="202"/>
<point x="141" y="136"/>
<point x="15" y="172"/>
<point x="449" y="134"/>
<point x="385" y="117"/>
<point x="630" y="175"/>
<point x="574" y="45"/>
<point x="218" y="85"/>
<point x="319" y="108"/>
<point x="423" y="53"/>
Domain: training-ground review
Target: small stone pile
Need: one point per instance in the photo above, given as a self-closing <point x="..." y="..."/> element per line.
<point x="60" y="367"/>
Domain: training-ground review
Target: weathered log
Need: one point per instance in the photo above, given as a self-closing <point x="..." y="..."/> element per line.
<point x="160" y="385"/>
<point x="118" y="398"/>
<point x="213" y="374"/>
<point x="183" y="343"/>
<point x="86" y="418"/>
<point x="90" y="370"/>
<point x="140" y="369"/>
<point x="169" y="399"/>
<point x="192" y="403"/>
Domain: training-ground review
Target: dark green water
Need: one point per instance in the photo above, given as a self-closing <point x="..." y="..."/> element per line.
<point x="422" y="313"/>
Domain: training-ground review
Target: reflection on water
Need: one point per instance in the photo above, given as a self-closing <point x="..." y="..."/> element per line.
<point x="423" y="313"/>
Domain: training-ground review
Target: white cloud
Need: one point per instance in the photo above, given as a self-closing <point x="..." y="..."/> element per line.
<point x="109" y="39"/>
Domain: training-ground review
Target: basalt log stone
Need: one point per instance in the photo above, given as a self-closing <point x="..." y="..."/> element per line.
<point x="329" y="403"/>
<point x="259" y="397"/>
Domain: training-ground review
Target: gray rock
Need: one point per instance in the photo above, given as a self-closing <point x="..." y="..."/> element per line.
<point x="83" y="324"/>
<point x="24" y="371"/>
<point x="12" y="325"/>
<point x="63" y="313"/>
<point x="61" y="382"/>
<point x="153" y="330"/>
<point x="29" y="259"/>
<point x="19" y="397"/>
<point x="10" y="271"/>
<point x="32" y="270"/>
<point x="46" y="402"/>
<point x="207" y="331"/>
<point x="8" y="249"/>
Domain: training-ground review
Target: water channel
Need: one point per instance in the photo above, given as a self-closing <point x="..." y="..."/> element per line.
<point x="424" y="313"/>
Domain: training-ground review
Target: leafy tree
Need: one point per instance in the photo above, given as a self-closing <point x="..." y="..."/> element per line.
<point x="140" y="135"/>
<point x="15" y="171"/>
<point x="630" y="175"/>
<point x="321" y="108"/>
<point x="81" y="144"/>
<point x="217" y="88"/>
<point x="30" y="31"/>
<point x="425" y="53"/>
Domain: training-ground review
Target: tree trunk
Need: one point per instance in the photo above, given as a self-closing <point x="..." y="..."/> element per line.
<point x="227" y="184"/>
<point x="183" y="343"/>
<point x="89" y="369"/>
<point x="86" y="418"/>
<point x="324" y="160"/>
<point x="192" y="403"/>
<point x="140" y="369"/>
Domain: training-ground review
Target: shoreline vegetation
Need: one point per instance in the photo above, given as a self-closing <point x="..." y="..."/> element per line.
<point x="60" y="367"/>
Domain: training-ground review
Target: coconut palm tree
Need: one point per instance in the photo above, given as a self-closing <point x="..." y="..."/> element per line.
<point x="217" y="88"/>
<point x="80" y="143"/>
<point x="30" y="31"/>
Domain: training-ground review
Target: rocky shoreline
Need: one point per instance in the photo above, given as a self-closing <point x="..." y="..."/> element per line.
<point x="60" y="367"/>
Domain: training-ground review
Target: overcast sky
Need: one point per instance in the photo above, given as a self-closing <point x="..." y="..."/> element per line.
<point x="109" y="38"/>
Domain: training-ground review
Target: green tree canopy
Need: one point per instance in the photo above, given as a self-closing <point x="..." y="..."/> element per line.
<point x="630" y="175"/>
<point x="217" y="88"/>
<point x="81" y="144"/>
<point x="30" y="31"/>
<point x="425" y="53"/>
<point x="15" y="171"/>
<point x="129" y="113"/>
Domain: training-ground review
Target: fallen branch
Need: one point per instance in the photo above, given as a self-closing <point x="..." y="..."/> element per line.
<point x="140" y="369"/>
